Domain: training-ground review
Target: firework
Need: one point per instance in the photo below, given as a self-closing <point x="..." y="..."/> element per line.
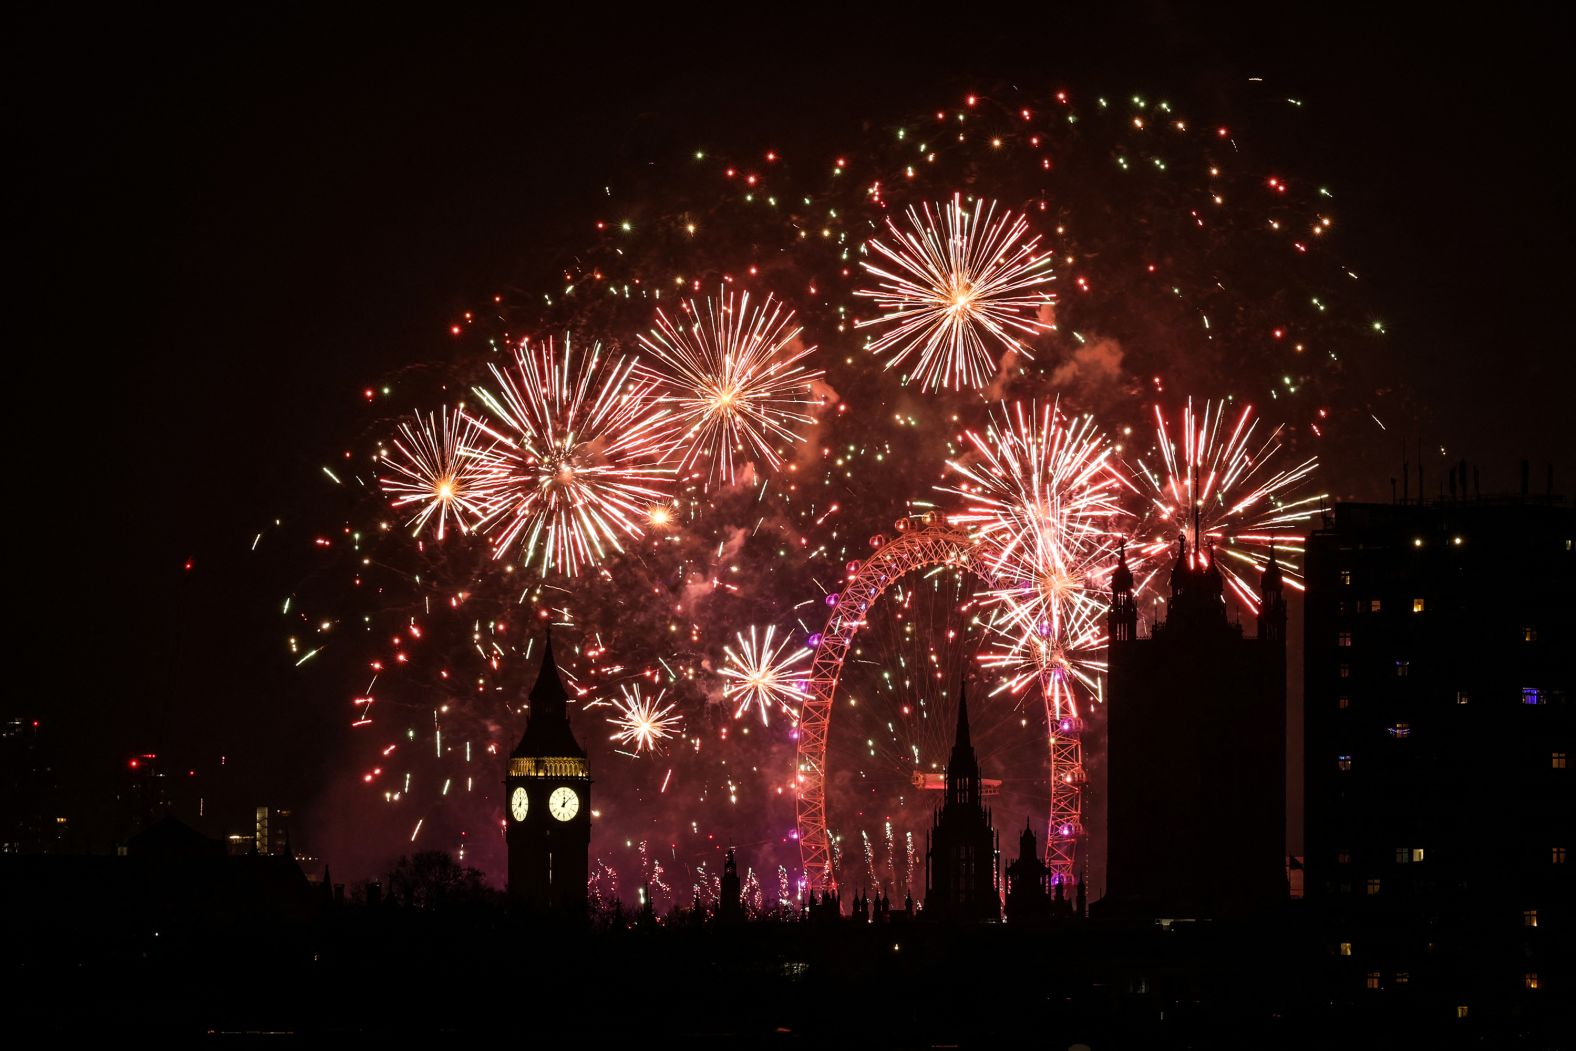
<point x="1044" y="493"/>
<point x="1041" y="490"/>
<point x="1245" y="504"/>
<point x="439" y="469"/>
<point x="578" y="456"/>
<point x="955" y="287"/>
<point x="641" y="722"/>
<point x="731" y="375"/>
<point x="760" y="676"/>
<point x="1046" y="619"/>
<point x="1181" y="267"/>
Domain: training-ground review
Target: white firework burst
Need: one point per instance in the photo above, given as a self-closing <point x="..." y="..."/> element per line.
<point x="956" y="289"/>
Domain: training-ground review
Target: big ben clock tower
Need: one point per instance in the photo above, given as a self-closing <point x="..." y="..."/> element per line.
<point x="547" y="802"/>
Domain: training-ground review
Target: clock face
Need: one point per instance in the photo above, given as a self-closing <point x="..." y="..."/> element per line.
<point x="519" y="804"/>
<point x="563" y="804"/>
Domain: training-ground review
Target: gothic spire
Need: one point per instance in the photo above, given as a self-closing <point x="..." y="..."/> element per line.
<point x="547" y="731"/>
<point x="1121" y="576"/>
<point x="1272" y="573"/>
<point x="963" y="719"/>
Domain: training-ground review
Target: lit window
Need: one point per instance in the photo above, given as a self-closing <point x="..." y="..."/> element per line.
<point x="1343" y="702"/>
<point x="1346" y="578"/>
<point x="1558" y="856"/>
<point x="1529" y="917"/>
<point x="1346" y="948"/>
<point x="1373" y="886"/>
<point x="1531" y="695"/>
<point x="1556" y="760"/>
<point x="1417" y="854"/>
<point x="1343" y="763"/>
<point x="1374" y="606"/>
<point x="1402" y="668"/>
<point x="1403" y="855"/>
<point x="1402" y="977"/>
<point x="1401" y="730"/>
<point x="1417" y="605"/>
<point x="1529" y="634"/>
<point x="1461" y="1010"/>
<point x="1343" y="857"/>
<point x="1343" y="639"/>
<point x="1462" y="697"/>
<point x="1346" y="671"/>
<point x="1373" y="980"/>
<point x="1530" y="980"/>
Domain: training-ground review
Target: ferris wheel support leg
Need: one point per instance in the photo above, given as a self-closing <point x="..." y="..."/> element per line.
<point x="1064" y="839"/>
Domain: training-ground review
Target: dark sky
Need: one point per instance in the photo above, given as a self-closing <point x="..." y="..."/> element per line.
<point x="230" y="223"/>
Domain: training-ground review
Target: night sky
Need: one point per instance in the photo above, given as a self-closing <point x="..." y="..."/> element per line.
<point x="231" y="225"/>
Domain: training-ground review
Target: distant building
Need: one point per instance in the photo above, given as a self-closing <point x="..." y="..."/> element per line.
<point x="1438" y="650"/>
<point x="272" y="831"/>
<point x="1196" y="749"/>
<point x="547" y="802"/>
<point x="30" y="821"/>
<point x="962" y="856"/>
<point x="142" y="795"/>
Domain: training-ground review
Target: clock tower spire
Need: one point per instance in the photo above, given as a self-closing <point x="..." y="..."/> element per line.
<point x="547" y="796"/>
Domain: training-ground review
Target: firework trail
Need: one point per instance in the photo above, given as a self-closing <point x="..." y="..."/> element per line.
<point x="954" y="287"/>
<point x="577" y="458"/>
<point x="751" y="894"/>
<point x="731" y="375"/>
<point x="651" y="873"/>
<point x="891" y="847"/>
<point x="603" y="885"/>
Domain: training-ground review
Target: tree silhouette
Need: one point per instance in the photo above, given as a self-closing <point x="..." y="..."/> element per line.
<point x="432" y="879"/>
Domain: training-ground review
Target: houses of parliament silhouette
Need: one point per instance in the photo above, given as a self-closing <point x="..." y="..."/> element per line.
<point x="963" y="852"/>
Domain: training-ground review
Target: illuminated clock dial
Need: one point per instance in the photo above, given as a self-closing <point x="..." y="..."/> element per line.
<point x="563" y="804"/>
<point x="519" y="804"/>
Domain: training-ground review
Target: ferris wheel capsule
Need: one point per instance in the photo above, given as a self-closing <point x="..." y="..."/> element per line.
<point x="853" y="567"/>
<point x="878" y="540"/>
<point x="930" y="518"/>
<point x="901" y="525"/>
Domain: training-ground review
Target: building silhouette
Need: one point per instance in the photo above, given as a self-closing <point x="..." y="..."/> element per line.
<point x="30" y="818"/>
<point x="962" y="855"/>
<point x="1028" y="882"/>
<point x="1437" y="729"/>
<point x="142" y="796"/>
<point x="1196" y="748"/>
<point x="730" y="902"/>
<point x="547" y="802"/>
<point x="271" y="833"/>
